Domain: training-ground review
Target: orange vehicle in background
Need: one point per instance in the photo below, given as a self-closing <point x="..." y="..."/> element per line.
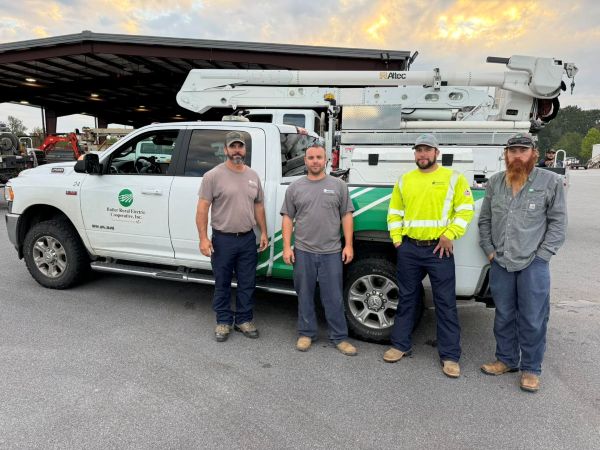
<point x="61" y="147"/>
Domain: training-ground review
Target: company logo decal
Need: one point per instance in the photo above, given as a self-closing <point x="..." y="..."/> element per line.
<point x="126" y="198"/>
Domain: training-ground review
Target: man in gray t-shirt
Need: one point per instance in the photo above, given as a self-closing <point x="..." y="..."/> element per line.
<point x="318" y="203"/>
<point x="233" y="192"/>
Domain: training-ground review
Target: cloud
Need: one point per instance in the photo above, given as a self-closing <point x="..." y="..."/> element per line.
<point x="456" y="35"/>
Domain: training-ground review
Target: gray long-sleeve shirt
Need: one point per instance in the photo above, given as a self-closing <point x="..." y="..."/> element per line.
<point x="534" y="222"/>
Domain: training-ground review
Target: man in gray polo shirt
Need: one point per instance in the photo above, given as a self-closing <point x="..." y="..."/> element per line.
<point x="318" y="203"/>
<point x="234" y="193"/>
<point x="522" y="225"/>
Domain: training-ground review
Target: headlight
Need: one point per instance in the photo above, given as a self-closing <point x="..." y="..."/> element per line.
<point x="9" y="195"/>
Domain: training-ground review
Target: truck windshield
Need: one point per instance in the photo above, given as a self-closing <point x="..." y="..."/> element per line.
<point x="293" y="146"/>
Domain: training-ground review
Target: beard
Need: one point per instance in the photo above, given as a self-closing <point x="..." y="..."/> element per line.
<point x="518" y="171"/>
<point x="421" y="165"/>
<point x="236" y="158"/>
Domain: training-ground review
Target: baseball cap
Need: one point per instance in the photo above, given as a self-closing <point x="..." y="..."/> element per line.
<point x="551" y="150"/>
<point x="520" y="140"/>
<point x="427" y="139"/>
<point x="234" y="136"/>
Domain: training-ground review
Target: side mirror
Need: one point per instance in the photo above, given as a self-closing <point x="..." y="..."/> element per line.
<point x="90" y="164"/>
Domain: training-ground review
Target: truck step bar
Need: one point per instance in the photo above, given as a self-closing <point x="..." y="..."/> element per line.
<point x="184" y="276"/>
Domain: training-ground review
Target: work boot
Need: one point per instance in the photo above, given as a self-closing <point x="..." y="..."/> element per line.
<point x="393" y="355"/>
<point x="222" y="332"/>
<point x="530" y="382"/>
<point x="451" y="369"/>
<point x="496" y="368"/>
<point x="248" y="328"/>
<point x="304" y="343"/>
<point x="346" y="348"/>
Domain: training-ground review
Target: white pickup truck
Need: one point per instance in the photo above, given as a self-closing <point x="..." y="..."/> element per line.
<point x="130" y="213"/>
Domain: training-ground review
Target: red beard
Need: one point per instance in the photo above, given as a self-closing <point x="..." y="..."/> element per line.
<point x="518" y="171"/>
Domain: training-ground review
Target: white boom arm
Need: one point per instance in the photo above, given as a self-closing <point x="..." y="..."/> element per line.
<point x="528" y="78"/>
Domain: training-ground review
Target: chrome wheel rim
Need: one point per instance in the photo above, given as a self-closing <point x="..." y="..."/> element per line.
<point x="373" y="300"/>
<point x="50" y="256"/>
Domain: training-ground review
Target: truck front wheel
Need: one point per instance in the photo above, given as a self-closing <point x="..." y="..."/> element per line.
<point x="54" y="254"/>
<point x="371" y="299"/>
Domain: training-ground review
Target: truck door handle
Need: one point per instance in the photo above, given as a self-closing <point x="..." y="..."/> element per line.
<point x="152" y="191"/>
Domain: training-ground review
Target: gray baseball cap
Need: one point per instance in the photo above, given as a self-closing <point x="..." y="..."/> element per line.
<point x="234" y="136"/>
<point x="520" y="140"/>
<point x="427" y="139"/>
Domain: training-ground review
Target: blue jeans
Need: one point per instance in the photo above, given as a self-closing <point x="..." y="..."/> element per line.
<point x="414" y="263"/>
<point x="328" y="270"/>
<point x="234" y="254"/>
<point x="522" y="301"/>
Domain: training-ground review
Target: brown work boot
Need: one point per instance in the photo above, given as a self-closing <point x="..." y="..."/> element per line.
<point x="222" y="332"/>
<point x="496" y="368"/>
<point x="393" y="355"/>
<point x="451" y="369"/>
<point x="303" y="343"/>
<point x="248" y="328"/>
<point x="346" y="348"/>
<point x="530" y="382"/>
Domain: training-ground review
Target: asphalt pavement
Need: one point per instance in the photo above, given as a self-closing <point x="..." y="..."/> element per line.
<point x="126" y="362"/>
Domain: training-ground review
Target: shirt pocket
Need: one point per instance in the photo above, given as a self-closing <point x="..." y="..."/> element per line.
<point x="499" y="204"/>
<point x="534" y="207"/>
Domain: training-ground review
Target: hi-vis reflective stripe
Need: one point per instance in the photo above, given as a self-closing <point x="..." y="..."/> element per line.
<point x="398" y="212"/>
<point x="449" y="195"/>
<point x="464" y="207"/>
<point x="426" y="223"/>
<point x="394" y="225"/>
<point x="460" y="222"/>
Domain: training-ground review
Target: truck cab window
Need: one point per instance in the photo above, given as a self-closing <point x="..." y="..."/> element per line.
<point x="297" y="120"/>
<point x="293" y="147"/>
<point x="148" y="154"/>
<point x="206" y="150"/>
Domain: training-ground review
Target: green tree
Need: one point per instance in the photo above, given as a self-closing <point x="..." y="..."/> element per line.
<point x="16" y="126"/>
<point x="571" y="143"/>
<point x="568" y="119"/>
<point x="592" y="137"/>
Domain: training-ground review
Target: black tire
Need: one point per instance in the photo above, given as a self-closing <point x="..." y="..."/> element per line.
<point x="371" y="299"/>
<point x="59" y="260"/>
<point x="9" y="144"/>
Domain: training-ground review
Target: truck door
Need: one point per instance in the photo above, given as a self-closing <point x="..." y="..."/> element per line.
<point x="125" y="211"/>
<point x="203" y="149"/>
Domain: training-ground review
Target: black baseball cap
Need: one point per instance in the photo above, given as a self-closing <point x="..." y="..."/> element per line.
<point x="521" y="140"/>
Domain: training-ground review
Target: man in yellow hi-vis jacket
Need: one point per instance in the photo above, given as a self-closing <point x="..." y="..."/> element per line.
<point x="430" y="208"/>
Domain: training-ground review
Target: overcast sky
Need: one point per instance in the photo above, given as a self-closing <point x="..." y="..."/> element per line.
<point x="453" y="35"/>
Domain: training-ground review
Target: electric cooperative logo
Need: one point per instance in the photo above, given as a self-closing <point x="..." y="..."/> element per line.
<point x="126" y="198"/>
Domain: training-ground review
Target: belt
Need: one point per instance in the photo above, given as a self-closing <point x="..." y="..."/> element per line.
<point x="419" y="243"/>
<point x="241" y="233"/>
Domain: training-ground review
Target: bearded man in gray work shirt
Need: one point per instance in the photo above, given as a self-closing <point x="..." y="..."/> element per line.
<point x="522" y="225"/>
<point x="318" y="203"/>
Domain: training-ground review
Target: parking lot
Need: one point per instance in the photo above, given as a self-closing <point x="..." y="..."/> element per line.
<point x="126" y="362"/>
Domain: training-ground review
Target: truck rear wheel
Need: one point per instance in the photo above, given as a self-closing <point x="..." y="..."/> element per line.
<point x="371" y="299"/>
<point x="54" y="254"/>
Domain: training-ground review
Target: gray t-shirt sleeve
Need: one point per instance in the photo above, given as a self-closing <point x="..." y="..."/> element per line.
<point x="260" y="195"/>
<point x="288" y="208"/>
<point x="346" y="205"/>
<point x="206" y="191"/>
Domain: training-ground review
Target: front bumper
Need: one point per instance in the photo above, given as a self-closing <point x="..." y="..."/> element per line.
<point x="12" y="225"/>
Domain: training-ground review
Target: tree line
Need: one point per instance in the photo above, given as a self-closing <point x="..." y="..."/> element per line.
<point x="573" y="130"/>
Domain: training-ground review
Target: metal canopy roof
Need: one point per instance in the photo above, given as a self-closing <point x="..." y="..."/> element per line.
<point x="134" y="79"/>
